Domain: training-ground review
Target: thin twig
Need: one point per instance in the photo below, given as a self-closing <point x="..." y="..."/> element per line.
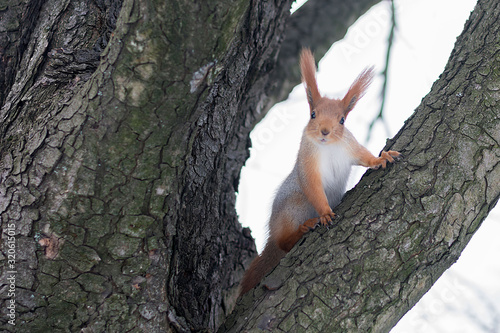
<point x="383" y="93"/>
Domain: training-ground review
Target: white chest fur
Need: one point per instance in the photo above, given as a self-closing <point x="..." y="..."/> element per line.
<point x="334" y="166"/>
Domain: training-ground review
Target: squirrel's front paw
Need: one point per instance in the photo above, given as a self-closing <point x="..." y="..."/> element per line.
<point x="387" y="156"/>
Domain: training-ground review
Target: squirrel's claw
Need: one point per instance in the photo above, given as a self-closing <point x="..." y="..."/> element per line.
<point x="327" y="218"/>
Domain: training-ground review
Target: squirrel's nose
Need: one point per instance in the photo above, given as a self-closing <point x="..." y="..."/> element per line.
<point x="325" y="131"/>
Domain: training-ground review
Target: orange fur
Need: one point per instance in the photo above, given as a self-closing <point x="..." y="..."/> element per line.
<point x="311" y="184"/>
<point x="357" y="89"/>
<point x="308" y="69"/>
<point x="289" y="239"/>
<point x="366" y="159"/>
<point x="260" y="266"/>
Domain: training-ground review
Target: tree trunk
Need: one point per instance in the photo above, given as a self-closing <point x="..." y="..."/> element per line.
<point x="400" y="228"/>
<point x="123" y="130"/>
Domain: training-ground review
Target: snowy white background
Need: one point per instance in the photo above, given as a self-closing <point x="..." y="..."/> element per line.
<point x="467" y="297"/>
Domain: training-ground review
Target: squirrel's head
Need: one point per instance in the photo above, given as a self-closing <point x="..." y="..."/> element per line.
<point x="328" y="116"/>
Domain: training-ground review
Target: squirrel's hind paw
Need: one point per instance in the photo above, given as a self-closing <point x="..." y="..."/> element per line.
<point x="327" y="218"/>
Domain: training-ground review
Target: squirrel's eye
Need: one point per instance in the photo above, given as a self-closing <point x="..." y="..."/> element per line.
<point x="342" y="121"/>
<point x="313" y="114"/>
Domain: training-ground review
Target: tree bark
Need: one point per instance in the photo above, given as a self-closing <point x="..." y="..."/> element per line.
<point x="121" y="142"/>
<point x="401" y="228"/>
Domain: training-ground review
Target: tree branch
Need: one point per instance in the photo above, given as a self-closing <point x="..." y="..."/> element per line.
<point x="17" y="22"/>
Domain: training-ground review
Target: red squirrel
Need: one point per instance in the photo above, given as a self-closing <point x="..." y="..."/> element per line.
<point x="318" y="180"/>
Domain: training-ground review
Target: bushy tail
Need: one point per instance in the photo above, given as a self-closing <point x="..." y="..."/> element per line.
<point x="260" y="266"/>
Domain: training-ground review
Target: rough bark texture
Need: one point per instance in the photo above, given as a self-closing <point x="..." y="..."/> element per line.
<point x="120" y="155"/>
<point x="401" y="228"/>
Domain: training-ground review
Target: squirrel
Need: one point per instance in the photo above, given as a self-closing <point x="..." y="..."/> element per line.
<point x="318" y="180"/>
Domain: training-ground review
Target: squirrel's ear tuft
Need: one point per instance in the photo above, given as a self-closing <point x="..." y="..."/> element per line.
<point x="357" y="89"/>
<point x="308" y="70"/>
